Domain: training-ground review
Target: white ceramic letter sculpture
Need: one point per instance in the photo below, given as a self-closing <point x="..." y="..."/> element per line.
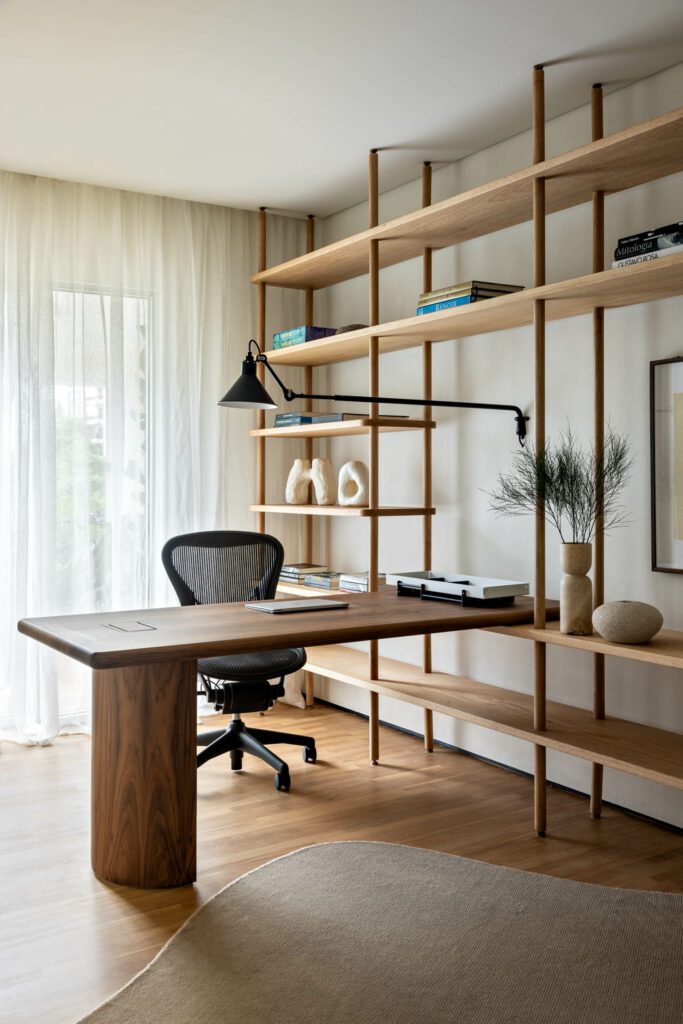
<point x="302" y="475"/>
<point x="353" y="484"/>
<point x="323" y="481"/>
<point x="298" y="483"/>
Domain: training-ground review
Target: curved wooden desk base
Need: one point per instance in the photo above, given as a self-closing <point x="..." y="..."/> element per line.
<point x="144" y="774"/>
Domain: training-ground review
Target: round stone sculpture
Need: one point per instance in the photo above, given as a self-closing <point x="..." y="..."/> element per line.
<point x="627" y="622"/>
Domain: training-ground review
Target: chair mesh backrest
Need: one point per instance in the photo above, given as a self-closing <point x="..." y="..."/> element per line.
<point x="223" y="565"/>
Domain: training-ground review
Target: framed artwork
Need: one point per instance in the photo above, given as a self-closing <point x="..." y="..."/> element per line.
<point x="666" y="463"/>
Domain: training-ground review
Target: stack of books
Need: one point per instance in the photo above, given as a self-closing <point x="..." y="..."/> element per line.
<point x="357" y="582"/>
<point x="649" y="245"/>
<point x="309" y="575"/>
<point x="296" y="419"/>
<point x="299" y="335"/>
<point x="323" y="580"/>
<point x="296" y="572"/>
<point x="462" y="295"/>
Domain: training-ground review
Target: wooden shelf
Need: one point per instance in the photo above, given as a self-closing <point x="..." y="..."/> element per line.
<point x="343" y="510"/>
<point x="623" y="286"/>
<point x="666" y="648"/>
<point x="345" y="428"/>
<point x="651" y="150"/>
<point x="627" y="746"/>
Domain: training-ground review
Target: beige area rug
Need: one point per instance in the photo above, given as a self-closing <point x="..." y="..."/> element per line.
<point x="368" y="933"/>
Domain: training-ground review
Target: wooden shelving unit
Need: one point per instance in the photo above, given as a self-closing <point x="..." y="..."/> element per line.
<point x="603" y="166"/>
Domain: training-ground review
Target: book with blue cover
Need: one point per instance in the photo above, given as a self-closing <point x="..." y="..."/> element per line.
<point x="462" y="295"/>
<point x="434" y="307"/>
<point x="296" y="419"/>
<point x="292" y="419"/>
<point x="300" y="335"/>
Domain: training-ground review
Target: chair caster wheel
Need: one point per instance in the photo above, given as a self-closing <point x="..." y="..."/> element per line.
<point x="310" y="755"/>
<point x="235" y="761"/>
<point x="283" y="781"/>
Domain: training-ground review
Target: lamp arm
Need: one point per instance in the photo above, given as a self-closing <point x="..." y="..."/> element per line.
<point x="291" y="396"/>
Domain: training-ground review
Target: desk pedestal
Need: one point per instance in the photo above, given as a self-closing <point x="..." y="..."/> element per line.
<point x="144" y="774"/>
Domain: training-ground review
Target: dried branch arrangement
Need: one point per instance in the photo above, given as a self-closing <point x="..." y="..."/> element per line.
<point x="573" y="485"/>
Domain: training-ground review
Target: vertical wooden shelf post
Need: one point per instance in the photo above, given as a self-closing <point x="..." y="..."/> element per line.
<point x="599" y="444"/>
<point x="373" y="438"/>
<point x="540" y="814"/>
<point x="427" y="452"/>
<point x="308" y="443"/>
<point x="261" y="339"/>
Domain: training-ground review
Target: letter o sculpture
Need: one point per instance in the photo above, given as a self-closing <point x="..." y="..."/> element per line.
<point x="353" y="486"/>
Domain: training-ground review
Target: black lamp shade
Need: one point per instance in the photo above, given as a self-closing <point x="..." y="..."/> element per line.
<point x="248" y="392"/>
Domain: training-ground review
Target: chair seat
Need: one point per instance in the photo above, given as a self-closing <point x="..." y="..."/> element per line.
<point x="256" y="665"/>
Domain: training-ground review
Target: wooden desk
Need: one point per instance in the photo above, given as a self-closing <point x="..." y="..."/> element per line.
<point x="144" y="789"/>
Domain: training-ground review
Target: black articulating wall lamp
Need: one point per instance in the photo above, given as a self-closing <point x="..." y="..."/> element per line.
<point x="248" y="393"/>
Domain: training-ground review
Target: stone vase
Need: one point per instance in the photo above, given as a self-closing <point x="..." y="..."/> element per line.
<point x="576" y="590"/>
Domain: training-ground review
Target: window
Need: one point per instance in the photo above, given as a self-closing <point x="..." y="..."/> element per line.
<point x="101" y="409"/>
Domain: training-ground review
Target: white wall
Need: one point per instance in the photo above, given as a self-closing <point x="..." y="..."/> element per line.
<point x="471" y="447"/>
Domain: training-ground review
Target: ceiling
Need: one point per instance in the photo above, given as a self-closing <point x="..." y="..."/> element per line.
<point x="276" y="103"/>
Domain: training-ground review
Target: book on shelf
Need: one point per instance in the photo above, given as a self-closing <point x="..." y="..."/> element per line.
<point x="323" y="580"/>
<point x="649" y="241"/>
<point x="646" y="257"/>
<point x="337" y="417"/>
<point x="297" y="571"/>
<point x="463" y="295"/>
<point x="480" y="293"/>
<point x="358" y="581"/>
<point x="435" y="307"/>
<point x="299" y="335"/>
<point x="292" y="419"/>
<point x="467" y="287"/>
<point x="342" y="417"/>
<point x="295" y="419"/>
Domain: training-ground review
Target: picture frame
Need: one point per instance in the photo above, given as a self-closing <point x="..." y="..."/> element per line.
<point x="666" y="464"/>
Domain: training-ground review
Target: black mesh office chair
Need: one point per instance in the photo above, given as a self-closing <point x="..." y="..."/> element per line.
<point x="227" y="565"/>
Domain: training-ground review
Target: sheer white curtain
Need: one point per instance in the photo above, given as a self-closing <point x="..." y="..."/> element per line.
<point x="123" y="318"/>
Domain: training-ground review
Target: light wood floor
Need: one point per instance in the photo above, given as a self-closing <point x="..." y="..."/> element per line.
<point x="67" y="941"/>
